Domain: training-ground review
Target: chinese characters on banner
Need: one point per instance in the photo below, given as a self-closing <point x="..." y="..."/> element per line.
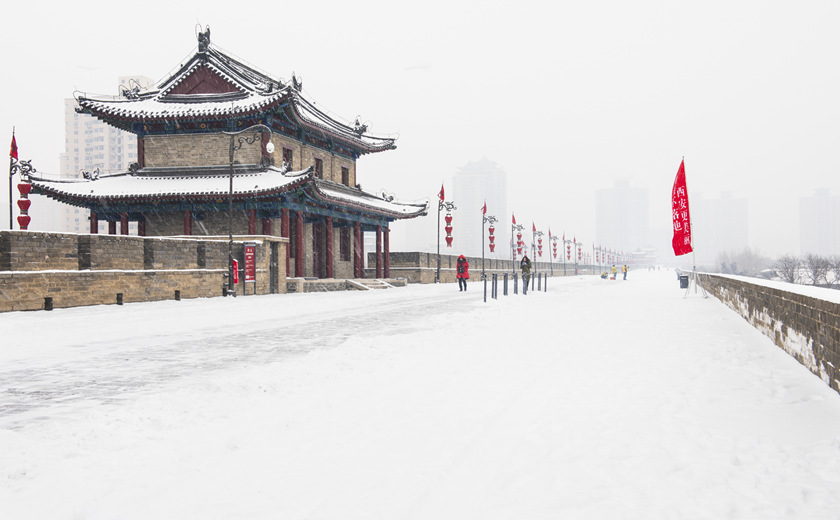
<point x="682" y="220"/>
<point x="250" y="263"/>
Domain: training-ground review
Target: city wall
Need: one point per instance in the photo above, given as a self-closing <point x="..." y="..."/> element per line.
<point x="806" y="328"/>
<point x="418" y="267"/>
<point x="68" y="270"/>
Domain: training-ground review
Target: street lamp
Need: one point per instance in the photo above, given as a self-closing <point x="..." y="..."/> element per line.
<point x="535" y="236"/>
<point x="449" y="206"/>
<point x="484" y="220"/>
<point x="552" y="240"/>
<point x="242" y="140"/>
<point x="514" y="228"/>
<point x="568" y="253"/>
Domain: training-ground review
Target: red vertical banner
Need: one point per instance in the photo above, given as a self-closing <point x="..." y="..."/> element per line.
<point x="682" y="219"/>
<point x="235" y="271"/>
<point x="250" y="263"/>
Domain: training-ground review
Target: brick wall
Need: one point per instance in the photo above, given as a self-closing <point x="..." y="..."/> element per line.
<point x="75" y="270"/>
<point x="806" y="328"/>
<point x="417" y="267"/>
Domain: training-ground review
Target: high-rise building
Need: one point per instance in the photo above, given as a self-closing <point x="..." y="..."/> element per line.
<point x="819" y="224"/>
<point x="474" y="184"/>
<point x="622" y="218"/>
<point x="718" y="227"/>
<point x="92" y="145"/>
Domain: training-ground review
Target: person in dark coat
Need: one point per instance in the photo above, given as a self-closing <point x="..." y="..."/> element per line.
<point x="463" y="273"/>
<point x="525" y="266"/>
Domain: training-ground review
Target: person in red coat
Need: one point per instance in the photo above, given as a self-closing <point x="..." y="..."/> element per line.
<point x="463" y="273"/>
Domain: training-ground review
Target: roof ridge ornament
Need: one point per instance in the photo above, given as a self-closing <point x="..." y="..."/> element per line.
<point x="204" y="40"/>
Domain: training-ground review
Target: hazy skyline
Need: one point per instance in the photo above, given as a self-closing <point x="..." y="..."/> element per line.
<point x="566" y="99"/>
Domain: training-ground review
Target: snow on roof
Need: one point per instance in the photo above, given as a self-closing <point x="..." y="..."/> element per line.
<point x="145" y="184"/>
<point x="385" y="203"/>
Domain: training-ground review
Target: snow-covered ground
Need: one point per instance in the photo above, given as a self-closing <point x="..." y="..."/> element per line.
<point x="597" y="399"/>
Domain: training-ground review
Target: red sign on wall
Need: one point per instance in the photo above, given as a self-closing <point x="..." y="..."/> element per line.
<point x="250" y="263"/>
<point x="235" y="271"/>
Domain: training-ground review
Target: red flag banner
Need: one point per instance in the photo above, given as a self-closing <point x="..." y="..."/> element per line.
<point x="682" y="219"/>
<point x="513" y="215"/>
<point x="534" y="226"/>
<point x="441" y="193"/>
<point x="484" y="209"/>
<point x="13" y="152"/>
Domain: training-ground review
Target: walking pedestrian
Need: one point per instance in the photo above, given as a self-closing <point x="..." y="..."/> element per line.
<point x="525" y="266"/>
<point x="463" y="274"/>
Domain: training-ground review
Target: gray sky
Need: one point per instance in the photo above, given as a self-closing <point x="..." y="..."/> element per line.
<point x="566" y="98"/>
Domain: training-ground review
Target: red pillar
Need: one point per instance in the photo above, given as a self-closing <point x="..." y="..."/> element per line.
<point x="123" y="223"/>
<point x="358" y="262"/>
<point x="94" y="223"/>
<point x="299" y="244"/>
<point x="252" y="222"/>
<point x="188" y="222"/>
<point x="284" y="232"/>
<point x="379" y="251"/>
<point x="141" y="152"/>
<point x="387" y="239"/>
<point x="328" y="237"/>
<point x="141" y="227"/>
<point x="112" y="227"/>
<point x="266" y="226"/>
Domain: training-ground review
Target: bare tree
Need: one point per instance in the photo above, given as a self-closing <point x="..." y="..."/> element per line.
<point x="787" y="268"/>
<point x="817" y="268"/>
<point x="834" y="269"/>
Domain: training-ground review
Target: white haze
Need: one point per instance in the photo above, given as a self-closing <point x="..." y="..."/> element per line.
<point x="567" y="97"/>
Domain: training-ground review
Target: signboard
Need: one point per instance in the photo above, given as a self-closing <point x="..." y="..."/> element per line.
<point x="250" y="263"/>
<point x="235" y="271"/>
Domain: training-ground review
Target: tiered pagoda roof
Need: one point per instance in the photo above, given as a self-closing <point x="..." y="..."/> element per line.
<point x="215" y="92"/>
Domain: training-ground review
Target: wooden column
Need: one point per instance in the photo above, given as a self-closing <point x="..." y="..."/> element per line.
<point x="188" y="222"/>
<point x="94" y="223"/>
<point x="141" y="152"/>
<point x="358" y="264"/>
<point x="266" y="226"/>
<point x="112" y="227"/>
<point x="379" y="251"/>
<point x="317" y="249"/>
<point x="387" y="240"/>
<point x="284" y="232"/>
<point x="328" y="237"/>
<point x="299" y="244"/>
<point x="252" y="222"/>
<point x="123" y="223"/>
<point x="141" y="227"/>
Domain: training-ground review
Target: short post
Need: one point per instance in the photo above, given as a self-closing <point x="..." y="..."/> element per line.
<point x="119" y="298"/>
<point x="177" y="295"/>
<point x="48" y="303"/>
<point x="505" y="286"/>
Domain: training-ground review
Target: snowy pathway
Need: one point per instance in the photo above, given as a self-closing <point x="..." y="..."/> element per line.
<point x="597" y="399"/>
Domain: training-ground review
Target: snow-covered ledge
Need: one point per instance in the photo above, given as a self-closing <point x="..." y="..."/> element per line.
<point x="802" y="320"/>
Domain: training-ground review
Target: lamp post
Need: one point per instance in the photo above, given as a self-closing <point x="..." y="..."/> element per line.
<point x="449" y="206"/>
<point x="24" y="169"/>
<point x="568" y="253"/>
<point x="536" y="236"/>
<point x="514" y="228"/>
<point x="552" y="240"/>
<point x="484" y="220"/>
<point x="234" y="145"/>
<point x="577" y="253"/>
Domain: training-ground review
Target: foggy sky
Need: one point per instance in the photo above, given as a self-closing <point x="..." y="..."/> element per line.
<point x="566" y="98"/>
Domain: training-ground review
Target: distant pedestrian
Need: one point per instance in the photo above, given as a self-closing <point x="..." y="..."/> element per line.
<point x="463" y="273"/>
<point x="525" y="266"/>
<point x="624" y="270"/>
<point x="614" y="272"/>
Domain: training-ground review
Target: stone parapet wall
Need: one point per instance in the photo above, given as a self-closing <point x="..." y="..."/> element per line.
<point x="419" y="267"/>
<point x="74" y="270"/>
<point x="807" y="328"/>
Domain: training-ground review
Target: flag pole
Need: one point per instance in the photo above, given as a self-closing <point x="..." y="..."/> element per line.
<point x="11" y="173"/>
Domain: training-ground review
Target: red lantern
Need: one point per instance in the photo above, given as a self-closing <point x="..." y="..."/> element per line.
<point x="492" y="238"/>
<point x="24" y="204"/>
<point x="24" y="188"/>
<point x="448" y="229"/>
<point x="492" y="229"/>
<point x="448" y="218"/>
<point x="519" y="237"/>
<point x="539" y="240"/>
<point x="519" y="250"/>
<point x="23" y="221"/>
<point x="492" y="247"/>
<point x="449" y="241"/>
